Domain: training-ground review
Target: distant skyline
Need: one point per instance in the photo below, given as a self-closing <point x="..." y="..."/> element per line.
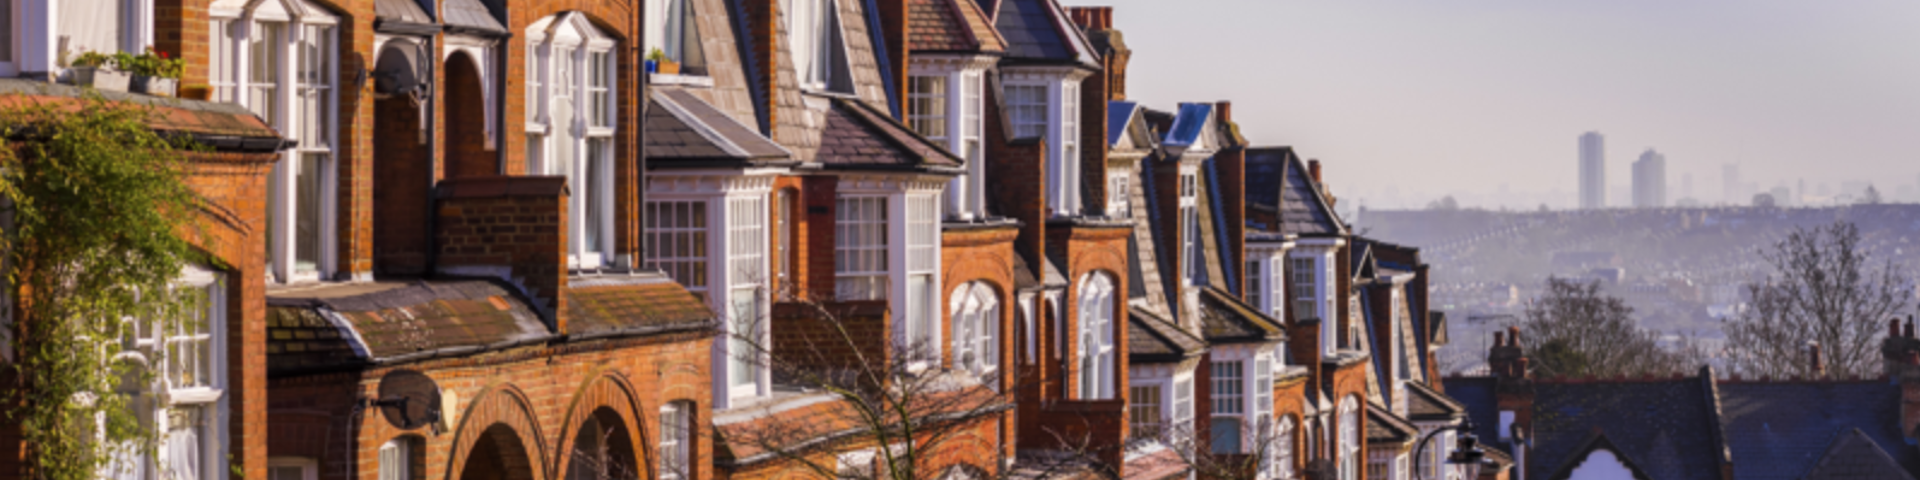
<point x="1431" y="98"/>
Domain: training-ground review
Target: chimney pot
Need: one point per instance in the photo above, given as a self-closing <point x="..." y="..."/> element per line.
<point x="1313" y="168"/>
<point x="1819" y="367"/>
<point x="1908" y="330"/>
<point x="1226" y="110"/>
<point x="1499" y="339"/>
<point x="1523" y="366"/>
<point x="1513" y="333"/>
<point x="1893" y="327"/>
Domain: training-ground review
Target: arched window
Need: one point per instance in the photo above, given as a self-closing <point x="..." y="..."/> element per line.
<point x="1280" y="451"/>
<point x="1349" y="438"/>
<point x="676" y="441"/>
<point x="571" y="117"/>
<point x="976" y="330"/>
<point x="1096" y="337"/>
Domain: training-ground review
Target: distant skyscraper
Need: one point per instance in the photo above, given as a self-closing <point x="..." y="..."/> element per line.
<point x="1593" y="171"/>
<point x="1730" y="184"/>
<point x="1650" y="180"/>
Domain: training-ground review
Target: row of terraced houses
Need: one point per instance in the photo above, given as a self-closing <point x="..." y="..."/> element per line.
<point x="530" y="239"/>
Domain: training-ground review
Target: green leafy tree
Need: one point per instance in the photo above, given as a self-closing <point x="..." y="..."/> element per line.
<point x="97" y="204"/>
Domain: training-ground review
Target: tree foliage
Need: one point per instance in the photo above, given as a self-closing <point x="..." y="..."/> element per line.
<point x="1825" y="289"/>
<point x="97" y="202"/>
<point x="1576" y="329"/>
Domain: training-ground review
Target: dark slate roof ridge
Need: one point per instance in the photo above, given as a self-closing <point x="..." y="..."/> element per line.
<point x="925" y="152"/>
<point x="1258" y="327"/>
<point x="1319" y="196"/>
<point x="1439" y="401"/>
<point x="1266" y="177"/>
<point x="1400" y="429"/>
<point x="1716" y="427"/>
<point x="679" y="104"/>
<point x="1183" y="345"/>
<point x="1120" y="115"/>
<point x="1597" y="441"/>
<point x="1857" y="444"/>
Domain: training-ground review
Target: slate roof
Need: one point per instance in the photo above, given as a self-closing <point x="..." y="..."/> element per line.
<point x="1426" y="404"/>
<point x="470" y="15"/>
<point x="951" y="26"/>
<point x="1276" y="174"/>
<point x="1476" y="394"/>
<point x="1598" y="441"/>
<point x="401" y="11"/>
<point x="1120" y="114"/>
<point x="1151" y="339"/>
<point x="1226" y="319"/>
<point x="1853" y="456"/>
<point x="175" y="115"/>
<point x="1781" y="430"/>
<point x="353" y="325"/>
<point x="1037" y="31"/>
<point x="682" y="127"/>
<point x="1385" y="427"/>
<point x="1189" y="124"/>
<point x="856" y="137"/>
<point x="1667" y="427"/>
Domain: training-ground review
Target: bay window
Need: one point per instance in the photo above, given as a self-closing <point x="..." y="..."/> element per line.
<point x="1069" y="157"/>
<point x="746" y="297"/>
<point x="860" y="248"/>
<point x="571" y="121"/>
<point x="1262" y="396"/>
<point x="927" y="106"/>
<point x="923" y="291"/>
<point x="1049" y="108"/>
<point x="1277" y="289"/>
<point x="1229" y="404"/>
<point x="944" y="105"/>
<point x="1027" y="105"/>
<point x="676" y="242"/>
<point x="976" y="328"/>
<point x="1181" y="421"/>
<point x="185" y="404"/>
<point x="1144" y="415"/>
<point x="974" y="195"/>
<point x="1096" y="337"/>
<point x="281" y="63"/>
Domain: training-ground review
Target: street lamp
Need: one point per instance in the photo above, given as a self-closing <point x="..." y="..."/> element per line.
<point x="1466" y="450"/>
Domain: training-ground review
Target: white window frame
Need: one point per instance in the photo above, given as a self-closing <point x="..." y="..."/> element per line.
<point x="1349" y="438"/>
<point x="1255" y="285"/>
<point x="1061" y="128"/>
<point x="747" y="299"/>
<point x="1096" y="327"/>
<point x="666" y="28"/>
<point x="961" y="107"/>
<point x="309" y="468"/>
<point x="1190" y="248"/>
<point x="1229" y="384"/>
<point x="665" y="234"/>
<point x="1119" y="193"/>
<point x="929" y="102"/>
<point x="204" y="403"/>
<point x="921" y="287"/>
<point x="1180" y="404"/>
<point x="399" y="451"/>
<point x="562" y="50"/>
<point x="860" y="247"/>
<point x="1277" y="300"/>
<point x="1280" y="454"/>
<point x="284" y="107"/>
<point x="810" y="27"/>
<point x="976" y="331"/>
<point x="675" y="448"/>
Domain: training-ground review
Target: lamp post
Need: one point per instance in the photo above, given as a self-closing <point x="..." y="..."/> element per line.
<point x="1466" y="450"/>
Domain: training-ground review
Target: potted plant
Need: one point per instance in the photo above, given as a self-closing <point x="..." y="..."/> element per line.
<point x="662" y="64"/>
<point x="154" y="73"/>
<point x="96" y="70"/>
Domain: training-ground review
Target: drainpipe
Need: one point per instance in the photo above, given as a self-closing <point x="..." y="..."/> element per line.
<point x="433" y="154"/>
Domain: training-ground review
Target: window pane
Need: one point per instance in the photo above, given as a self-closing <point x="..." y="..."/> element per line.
<point x="307" y="236"/>
<point x="265" y="46"/>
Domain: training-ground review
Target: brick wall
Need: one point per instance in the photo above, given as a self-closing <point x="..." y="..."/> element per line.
<point x="981" y="255"/>
<point x="544" y="393"/>
<point x="1018" y="170"/>
<point x="830" y="334"/>
<point x="468" y="153"/>
<point x="515" y="222"/>
<point x="818" y="194"/>
<point x="1290" y="401"/>
<point x="403" y="175"/>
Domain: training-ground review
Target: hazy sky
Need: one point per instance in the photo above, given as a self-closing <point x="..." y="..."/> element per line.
<point x="1464" y="95"/>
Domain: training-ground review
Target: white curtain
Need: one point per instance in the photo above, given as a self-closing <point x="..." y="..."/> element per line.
<point x="183" y="453"/>
<point x="92" y="25"/>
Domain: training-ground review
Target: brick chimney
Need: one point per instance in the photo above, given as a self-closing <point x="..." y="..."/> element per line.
<point x="1507" y="359"/>
<point x="1313" y="169"/>
<point x="1231" y="165"/>
<point x="893" y="29"/>
<point x="1097" y="22"/>
<point x="762" y="43"/>
<point x="1909" y="379"/>
<point x="1815" y="365"/>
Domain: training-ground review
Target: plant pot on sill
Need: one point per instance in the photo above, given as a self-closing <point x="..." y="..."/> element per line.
<point x="156" y="86"/>
<point x="653" y="66"/>
<point x="669" y="67"/>
<point x="101" y="78"/>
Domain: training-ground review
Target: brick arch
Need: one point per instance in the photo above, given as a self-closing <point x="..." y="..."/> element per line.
<point x="608" y="391"/>
<point x="468" y="153"/>
<point x="499" y="406"/>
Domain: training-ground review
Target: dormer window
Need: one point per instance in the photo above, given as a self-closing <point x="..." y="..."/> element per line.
<point x="571" y="120"/>
<point x="944" y="104"/>
<point x="673" y="30"/>
<point x="819" y="58"/>
<point x="1191" y="271"/>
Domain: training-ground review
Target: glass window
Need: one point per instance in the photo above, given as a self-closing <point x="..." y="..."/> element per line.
<point x="1119" y="196"/>
<point x="976" y="326"/>
<point x="810" y="26"/>
<point x="860" y="248"/>
<point x="1277" y="291"/>
<point x="1029" y="110"/>
<point x="1226" y="435"/>
<point x="1349" y="461"/>
<point x="783" y="243"/>
<point x="927" y="106"/>
<point x="1304" y="289"/>
<point x="1182" y="405"/>
<point x="1144" y="413"/>
<point x="676" y="441"/>
<point x="600" y="66"/>
<point x="1228" y="388"/>
<point x="555" y="77"/>
<point x="970" y="146"/>
<point x="263" y="79"/>
<point x="1096" y="337"/>
<point x="676" y="242"/>
<point x="394" y="463"/>
<point x="746" y="275"/>
<point x="1255" y="294"/>
<point x="923" y="252"/>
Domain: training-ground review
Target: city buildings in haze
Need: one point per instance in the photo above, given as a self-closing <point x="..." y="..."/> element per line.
<point x="1593" y="171"/>
<point x="1650" y="180"/>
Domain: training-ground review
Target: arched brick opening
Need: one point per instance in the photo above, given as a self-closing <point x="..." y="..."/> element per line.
<point x="606" y="401"/>
<point x="603" y="449"/>
<point x="502" y="410"/>
<point x="402" y="173"/>
<point x="467" y="153"/>
<point x="498" y="455"/>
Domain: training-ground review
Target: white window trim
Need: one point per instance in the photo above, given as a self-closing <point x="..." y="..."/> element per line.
<point x="210" y="399"/>
<point x="36" y="31"/>
<point x="574" y="35"/>
<point x="753" y="282"/>
<point x="679" y="439"/>
<point x="1063" y="174"/>
<point x="1163" y="404"/>
<point x="976" y="303"/>
<point x="309" y="468"/>
<point x="402" y="451"/>
<point x="293" y="16"/>
<point x="1096" y="302"/>
<point x="966" y="84"/>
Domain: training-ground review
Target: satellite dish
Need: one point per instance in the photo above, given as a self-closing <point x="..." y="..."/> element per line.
<point x="394" y="73"/>
<point x="408" y="399"/>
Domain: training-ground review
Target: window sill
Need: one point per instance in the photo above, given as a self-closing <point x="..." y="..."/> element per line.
<point x="666" y="79"/>
<point x="193" y="395"/>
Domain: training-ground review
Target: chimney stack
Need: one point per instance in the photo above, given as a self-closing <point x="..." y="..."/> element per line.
<point x="1313" y="169"/>
<point x="1893" y="328"/>
<point x="1226" y="110"/>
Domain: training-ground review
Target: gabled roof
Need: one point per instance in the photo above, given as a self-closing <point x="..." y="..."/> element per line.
<point x="857" y="137"/>
<point x="1598" y="442"/>
<point x="1853" y="456"/>
<point x="1668" y="426"/>
<point x="1385" y="427"/>
<point x="1151" y="339"/>
<point x="1278" y="179"/>
<point x="1226" y="319"/>
<point x="1126" y="126"/>
<point x="1189" y="125"/>
<point x="1779" y="430"/>
<point x="470" y="15"/>
<point x="682" y="129"/>
<point x="951" y="26"/>
<point x="1424" y="403"/>
<point x="1038" y="32"/>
